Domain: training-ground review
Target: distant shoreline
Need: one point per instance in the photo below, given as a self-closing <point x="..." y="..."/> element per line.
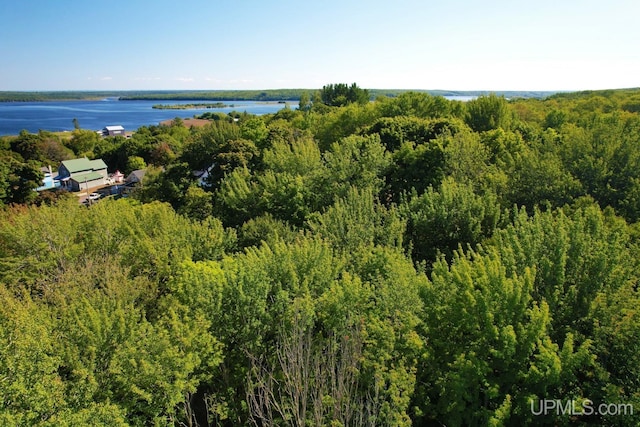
<point x="196" y="106"/>
<point x="269" y="95"/>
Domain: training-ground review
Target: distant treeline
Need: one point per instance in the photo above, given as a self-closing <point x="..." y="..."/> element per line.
<point x="294" y="94"/>
<point x="220" y="95"/>
<point x="392" y="93"/>
<point x="6" y="96"/>
<point x="189" y="106"/>
<point x="229" y="95"/>
<point x="215" y="95"/>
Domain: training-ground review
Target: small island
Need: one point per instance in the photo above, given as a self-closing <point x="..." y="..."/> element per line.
<point x="191" y="106"/>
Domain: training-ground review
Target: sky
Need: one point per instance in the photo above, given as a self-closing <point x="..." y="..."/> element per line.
<point x="491" y="45"/>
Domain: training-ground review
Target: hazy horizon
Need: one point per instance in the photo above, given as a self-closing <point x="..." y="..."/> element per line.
<point x="305" y="88"/>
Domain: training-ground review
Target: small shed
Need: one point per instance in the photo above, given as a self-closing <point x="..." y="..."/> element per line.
<point x="118" y="177"/>
<point x="113" y="131"/>
<point x="135" y="177"/>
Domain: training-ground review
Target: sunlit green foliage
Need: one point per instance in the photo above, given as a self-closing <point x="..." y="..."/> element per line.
<point x="342" y="122"/>
<point x="204" y="144"/>
<point x="440" y="220"/>
<point x="275" y="296"/>
<point x="359" y="220"/>
<point x="83" y="142"/>
<point x="397" y="130"/>
<point x="421" y="105"/>
<point x="340" y="94"/>
<point x="487" y="113"/>
<point x="404" y="261"/>
<point x="490" y="352"/>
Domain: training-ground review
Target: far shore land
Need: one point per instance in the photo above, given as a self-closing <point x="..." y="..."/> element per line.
<point x="205" y="105"/>
<point x="196" y="106"/>
<point x="279" y="95"/>
<point x="269" y="95"/>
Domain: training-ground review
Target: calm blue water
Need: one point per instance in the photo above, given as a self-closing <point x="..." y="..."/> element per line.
<point x="95" y="115"/>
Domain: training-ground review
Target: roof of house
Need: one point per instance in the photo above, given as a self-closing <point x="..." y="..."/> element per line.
<point x="83" y="164"/>
<point x="87" y="176"/>
<point x="138" y="174"/>
<point x="114" y="128"/>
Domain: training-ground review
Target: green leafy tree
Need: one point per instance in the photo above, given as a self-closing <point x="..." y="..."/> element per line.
<point x="83" y="142"/>
<point x="31" y="389"/>
<point x="575" y="256"/>
<point x="255" y="130"/>
<point x="539" y="179"/>
<point x="467" y="159"/>
<point x="394" y="131"/>
<point x="502" y="145"/>
<point x="265" y="228"/>
<point x="555" y="119"/>
<point x="616" y="314"/>
<point x="439" y="221"/>
<point x="304" y="104"/>
<point x="490" y="354"/>
<point x="134" y="163"/>
<point x="416" y="167"/>
<point x="298" y="157"/>
<point x="162" y="154"/>
<point x="488" y="112"/>
<point x="147" y="239"/>
<point x="229" y="156"/>
<point x="359" y="161"/>
<point x="359" y="220"/>
<point x="340" y="94"/>
<point x="54" y="150"/>
<point x="289" y="291"/>
<point x="28" y="146"/>
<point x="197" y="203"/>
<point x="279" y="131"/>
<point x="603" y="155"/>
<point x="342" y="122"/>
<point x="170" y="185"/>
<point x="200" y="149"/>
<point x="420" y="105"/>
<point x="284" y="188"/>
<point x="584" y="263"/>
<point x="18" y="179"/>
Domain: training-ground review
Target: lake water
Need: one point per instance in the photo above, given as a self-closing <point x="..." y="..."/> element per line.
<point x="95" y="115"/>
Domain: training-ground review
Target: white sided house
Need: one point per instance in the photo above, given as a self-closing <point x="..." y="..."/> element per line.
<point x="113" y="131"/>
<point x="82" y="174"/>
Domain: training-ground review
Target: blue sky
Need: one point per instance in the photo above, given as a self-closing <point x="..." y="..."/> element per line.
<point x="257" y="44"/>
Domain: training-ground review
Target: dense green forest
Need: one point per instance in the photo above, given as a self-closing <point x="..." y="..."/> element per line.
<point x="406" y="261"/>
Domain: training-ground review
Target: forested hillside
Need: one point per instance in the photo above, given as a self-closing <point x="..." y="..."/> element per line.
<point x="406" y="261"/>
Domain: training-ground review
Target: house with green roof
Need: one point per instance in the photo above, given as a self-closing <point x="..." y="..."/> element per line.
<point x="82" y="174"/>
